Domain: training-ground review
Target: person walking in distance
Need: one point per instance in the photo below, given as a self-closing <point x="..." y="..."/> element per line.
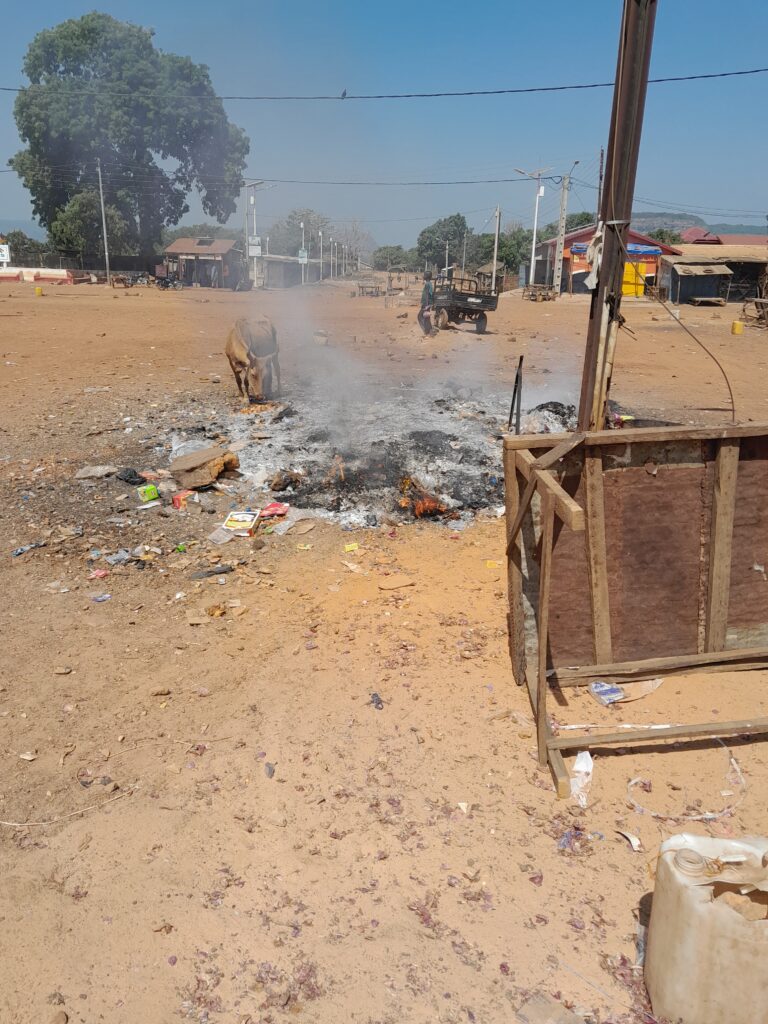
<point x="427" y="298"/>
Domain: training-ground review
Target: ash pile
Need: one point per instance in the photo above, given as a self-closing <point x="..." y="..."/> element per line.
<point x="387" y="453"/>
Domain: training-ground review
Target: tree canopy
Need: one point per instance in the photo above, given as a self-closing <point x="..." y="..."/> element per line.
<point x="430" y="244"/>
<point x="573" y="221"/>
<point x="285" y="234"/>
<point x="100" y="89"/>
<point x="77" y="228"/>
<point x="667" y="236"/>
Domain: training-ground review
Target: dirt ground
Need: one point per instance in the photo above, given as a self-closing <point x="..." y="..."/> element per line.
<point x="206" y="818"/>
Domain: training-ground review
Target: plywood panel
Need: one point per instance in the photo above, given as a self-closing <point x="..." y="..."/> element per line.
<point x="748" y="599"/>
<point x="655" y="523"/>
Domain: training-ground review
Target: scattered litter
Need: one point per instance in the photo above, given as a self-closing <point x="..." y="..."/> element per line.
<point x="130" y="476"/>
<point x="634" y="691"/>
<point x="221" y="536"/>
<point x="242" y="524"/>
<point x="62" y="670"/>
<point x="30" y="755"/>
<point x="632" y="839"/>
<point x="304" y="547"/>
<point x="491" y="564"/>
<point x="120" y="557"/>
<point x="95" y="472"/>
<point x="147" y="492"/>
<point x="606" y="693"/>
<point x="27" y="547"/>
<point x="180" y="499"/>
<point x="216" y="570"/>
<point x="351" y="547"/>
<point x="581" y="779"/>
<point x="734" y="778"/>
<point x="101" y="598"/>
<point x="302" y="526"/>
<point x="395" y="582"/>
<point x="352" y="566"/>
<point x="150" y="504"/>
<point x="377" y="702"/>
<point x="98" y="574"/>
<point x="216" y="611"/>
<point x="463" y="807"/>
<point x="269" y="769"/>
<point x="273" y="510"/>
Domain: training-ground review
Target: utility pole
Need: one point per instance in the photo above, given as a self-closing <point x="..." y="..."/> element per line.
<point x="616" y="207"/>
<point x="303" y="250"/>
<point x="245" y="224"/>
<point x="558" y="277"/>
<point x="446" y="257"/>
<point x="321" y="255"/>
<point x="464" y="253"/>
<point x="536" y="176"/>
<point x="599" y="186"/>
<point x="103" y="222"/>
<point x="496" y="248"/>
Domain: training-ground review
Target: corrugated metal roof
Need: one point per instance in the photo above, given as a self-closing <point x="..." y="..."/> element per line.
<point x="744" y="239"/>
<point x="585" y="235"/>
<point x="691" y="235"/>
<point x="725" y="253"/>
<point x="200" y="246"/>
<point x="702" y="270"/>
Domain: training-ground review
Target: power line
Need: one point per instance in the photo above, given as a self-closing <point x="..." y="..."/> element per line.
<point x="670" y="204"/>
<point x="346" y="97"/>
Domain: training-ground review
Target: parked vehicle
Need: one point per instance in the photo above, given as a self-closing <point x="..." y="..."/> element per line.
<point x="461" y="297"/>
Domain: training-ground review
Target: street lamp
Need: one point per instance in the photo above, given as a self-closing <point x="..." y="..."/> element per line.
<point x="320" y="233"/>
<point x="301" y="225"/>
<point x="267" y="245"/>
<point x="535" y="176"/>
<point x="330" y="242"/>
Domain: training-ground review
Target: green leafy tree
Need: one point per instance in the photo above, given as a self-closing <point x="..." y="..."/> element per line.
<point x="78" y="229"/>
<point x="285" y="234"/>
<point x="26" y="251"/>
<point x="667" y="236"/>
<point x="430" y="244"/>
<point x="389" y="256"/>
<point x="573" y="221"/>
<point x="99" y="88"/>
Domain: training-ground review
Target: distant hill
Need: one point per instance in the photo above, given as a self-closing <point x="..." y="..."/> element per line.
<point x="29" y="227"/>
<point x="644" y="222"/>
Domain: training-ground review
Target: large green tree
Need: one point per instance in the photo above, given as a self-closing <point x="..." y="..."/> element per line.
<point x="387" y="256"/>
<point x="78" y="230"/>
<point x="100" y="89"/>
<point x="432" y="240"/>
<point x="573" y="221"/>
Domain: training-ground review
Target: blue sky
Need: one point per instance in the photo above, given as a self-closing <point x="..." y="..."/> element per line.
<point x="703" y="143"/>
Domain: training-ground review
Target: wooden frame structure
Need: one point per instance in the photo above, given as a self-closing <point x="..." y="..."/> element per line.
<point x="630" y="554"/>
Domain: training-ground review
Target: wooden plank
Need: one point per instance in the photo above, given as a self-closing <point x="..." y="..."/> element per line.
<point x="730" y="661"/>
<point x="566" y="445"/>
<point x="639" y="435"/>
<point x="566" y="507"/>
<point x="597" y="559"/>
<point x="702" y="730"/>
<point x="723" y="509"/>
<point x="516" y="619"/>
<point x="545" y="581"/>
<point x="559" y="772"/>
<point x="525" y="501"/>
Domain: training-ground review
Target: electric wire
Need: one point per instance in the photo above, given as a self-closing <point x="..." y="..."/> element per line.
<point x="345" y="96"/>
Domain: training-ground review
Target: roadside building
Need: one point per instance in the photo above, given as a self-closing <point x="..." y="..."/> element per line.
<point x="640" y="272"/>
<point x="206" y="262"/>
<point x="747" y="263"/>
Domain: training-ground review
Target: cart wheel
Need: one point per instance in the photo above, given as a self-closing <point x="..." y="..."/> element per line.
<point x="441" y="319"/>
<point x="481" y="323"/>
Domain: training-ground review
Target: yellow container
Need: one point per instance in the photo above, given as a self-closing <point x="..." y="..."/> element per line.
<point x="737" y="327"/>
<point x="38" y="290"/>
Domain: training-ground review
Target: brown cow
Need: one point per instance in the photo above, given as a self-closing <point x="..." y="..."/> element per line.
<point x="252" y="352"/>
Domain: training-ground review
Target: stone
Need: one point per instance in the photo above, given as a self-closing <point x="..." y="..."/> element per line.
<point x="203" y="467"/>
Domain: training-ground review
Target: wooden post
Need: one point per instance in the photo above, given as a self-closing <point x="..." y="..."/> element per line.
<point x="597" y="561"/>
<point x="516" y="614"/>
<point x="723" y="508"/>
<point x="545" y="579"/>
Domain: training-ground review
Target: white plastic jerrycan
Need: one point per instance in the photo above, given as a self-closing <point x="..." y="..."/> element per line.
<point x="707" y="955"/>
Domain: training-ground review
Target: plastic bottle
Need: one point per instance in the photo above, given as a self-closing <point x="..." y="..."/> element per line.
<point x="707" y="955"/>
